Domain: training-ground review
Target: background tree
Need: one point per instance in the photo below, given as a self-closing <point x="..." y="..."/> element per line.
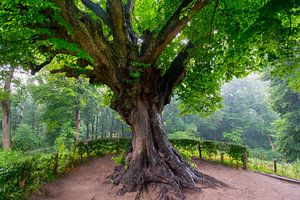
<point x="5" y="93"/>
<point x="58" y="98"/>
<point x="13" y="51"/>
<point x="247" y="111"/>
<point x="286" y="102"/>
<point x="142" y="61"/>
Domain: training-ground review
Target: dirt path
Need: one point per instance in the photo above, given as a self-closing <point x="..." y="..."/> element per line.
<point x="88" y="182"/>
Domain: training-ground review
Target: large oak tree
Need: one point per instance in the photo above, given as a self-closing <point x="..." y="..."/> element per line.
<point x="145" y="51"/>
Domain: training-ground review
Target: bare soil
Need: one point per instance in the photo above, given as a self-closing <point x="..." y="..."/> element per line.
<point x="89" y="182"/>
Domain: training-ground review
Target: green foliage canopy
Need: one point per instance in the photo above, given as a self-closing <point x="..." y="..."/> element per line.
<point x="230" y="38"/>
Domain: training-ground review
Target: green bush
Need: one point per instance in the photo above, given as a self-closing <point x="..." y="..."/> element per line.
<point x="21" y="173"/>
<point x="25" y="139"/>
<point x="209" y="147"/>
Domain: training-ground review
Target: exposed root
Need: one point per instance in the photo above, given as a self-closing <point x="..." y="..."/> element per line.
<point x="168" y="192"/>
<point x="169" y="176"/>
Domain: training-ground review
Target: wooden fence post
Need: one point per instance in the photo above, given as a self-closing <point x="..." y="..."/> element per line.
<point x="222" y="157"/>
<point x="275" y="166"/>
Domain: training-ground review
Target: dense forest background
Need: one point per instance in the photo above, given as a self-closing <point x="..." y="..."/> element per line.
<point x="257" y="111"/>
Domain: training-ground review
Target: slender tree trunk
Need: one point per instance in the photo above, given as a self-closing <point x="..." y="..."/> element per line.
<point x="5" y="104"/>
<point x="271" y="143"/>
<point x="97" y="122"/>
<point x="77" y="114"/>
<point x="102" y="127"/>
<point x="122" y="130"/>
<point x="97" y="126"/>
<point x="104" y="122"/>
<point x="22" y="108"/>
<point x="33" y="117"/>
<point x="111" y="130"/>
<point x="87" y="130"/>
<point x="93" y="128"/>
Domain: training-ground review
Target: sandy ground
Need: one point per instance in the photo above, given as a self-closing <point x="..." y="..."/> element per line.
<point x="88" y="182"/>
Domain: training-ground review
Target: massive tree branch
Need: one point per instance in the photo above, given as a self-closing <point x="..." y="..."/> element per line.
<point x="97" y="9"/>
<point x="87" y="35"/>
<point x="129" y="7"/>
<point x="159" y="41"/>
<point x="116" y="20"/>
<point x="87" y="32"/>
<point x="175" y="73"/>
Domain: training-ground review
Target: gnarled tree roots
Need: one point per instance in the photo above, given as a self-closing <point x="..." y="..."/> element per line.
<point x="166" y="173"/>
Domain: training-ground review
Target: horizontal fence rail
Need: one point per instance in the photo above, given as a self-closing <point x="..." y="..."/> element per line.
<point x="208" y="148"/>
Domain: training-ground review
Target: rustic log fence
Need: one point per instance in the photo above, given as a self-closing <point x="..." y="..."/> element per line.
<point x="211" y="149"/>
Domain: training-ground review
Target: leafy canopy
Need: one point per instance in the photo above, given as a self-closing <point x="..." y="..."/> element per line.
<point x="230" y="38"/>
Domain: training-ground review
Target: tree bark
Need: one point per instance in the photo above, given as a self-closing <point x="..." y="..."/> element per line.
<point x="153" y="161"/>
<point x="5" y="104"/>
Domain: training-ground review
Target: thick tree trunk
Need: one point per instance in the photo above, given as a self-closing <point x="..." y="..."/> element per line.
<point x="153" y="161"/>
<point x="5" y="104"/>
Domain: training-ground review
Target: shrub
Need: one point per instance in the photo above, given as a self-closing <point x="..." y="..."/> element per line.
<point x="25" y="139"/>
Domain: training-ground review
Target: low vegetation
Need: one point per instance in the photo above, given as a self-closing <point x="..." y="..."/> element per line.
<point x="22" y="173"/>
